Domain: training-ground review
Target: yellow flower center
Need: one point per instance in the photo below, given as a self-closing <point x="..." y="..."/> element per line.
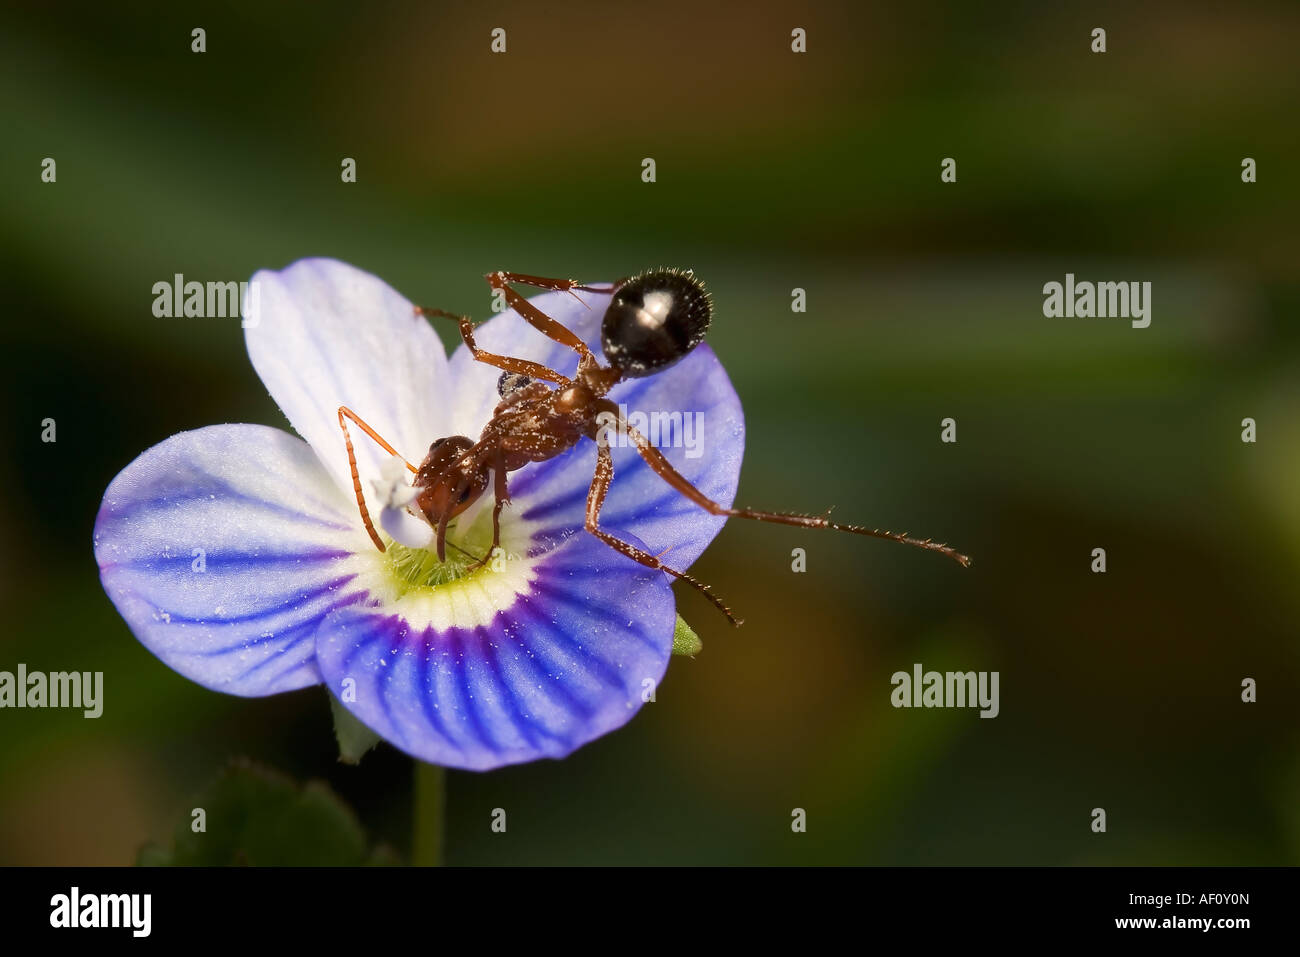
<point x="467" y="557"/>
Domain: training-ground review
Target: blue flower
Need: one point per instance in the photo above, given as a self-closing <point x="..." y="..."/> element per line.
<point x="237" y="555"/>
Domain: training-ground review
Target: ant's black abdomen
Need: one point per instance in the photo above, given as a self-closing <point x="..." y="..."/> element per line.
<point x="654" y="320"/>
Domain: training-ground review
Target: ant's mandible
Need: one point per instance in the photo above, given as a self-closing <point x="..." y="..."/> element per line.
<point x="653" y="320"/>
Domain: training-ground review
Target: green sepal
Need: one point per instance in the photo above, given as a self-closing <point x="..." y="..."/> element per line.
<point x="354" y="738"/>
<point x="685" y="640"/>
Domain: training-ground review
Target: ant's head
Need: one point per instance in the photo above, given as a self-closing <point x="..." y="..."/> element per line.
<point x="448" y="483"/>
<point x="653" y="320"/>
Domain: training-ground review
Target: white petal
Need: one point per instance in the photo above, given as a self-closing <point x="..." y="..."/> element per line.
<point x="406" y="528"/>
<point x="327" y="335"/>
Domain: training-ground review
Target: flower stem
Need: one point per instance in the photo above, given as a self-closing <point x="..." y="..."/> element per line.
<point x="429" y="804"/>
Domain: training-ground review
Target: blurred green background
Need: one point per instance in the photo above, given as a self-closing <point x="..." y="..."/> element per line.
<point x="775" y="171"/>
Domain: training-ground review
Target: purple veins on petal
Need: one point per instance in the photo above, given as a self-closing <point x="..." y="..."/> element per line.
<point x="226" y="588"/>
<point x="541" y="678"/>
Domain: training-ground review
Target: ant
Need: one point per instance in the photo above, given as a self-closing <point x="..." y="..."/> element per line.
<point x="653" y="320"/>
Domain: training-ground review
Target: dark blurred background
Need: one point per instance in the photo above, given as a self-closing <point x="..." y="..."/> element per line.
<point x="775" y="170"/>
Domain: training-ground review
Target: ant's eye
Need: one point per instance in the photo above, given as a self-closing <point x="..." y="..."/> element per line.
<point x="654" y="320"/>
<point x="511" y="382"/>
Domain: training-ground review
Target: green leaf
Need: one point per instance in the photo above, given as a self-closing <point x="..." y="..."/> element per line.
<point x="686" y="641"/>
<point x="354" y="738"/>
<point x="254" y="816"/>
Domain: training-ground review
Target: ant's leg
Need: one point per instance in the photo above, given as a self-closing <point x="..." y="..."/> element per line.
<point x="596" y="498"/>
<point x="534" y="370"/>
<point x="344" y="414"/>
<point x="556" y="285"/>
<point x="501" y="494"/>
<point x="379" y="440"/>
<point x="655" y="459"/>
<point x="535" y="317"/>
